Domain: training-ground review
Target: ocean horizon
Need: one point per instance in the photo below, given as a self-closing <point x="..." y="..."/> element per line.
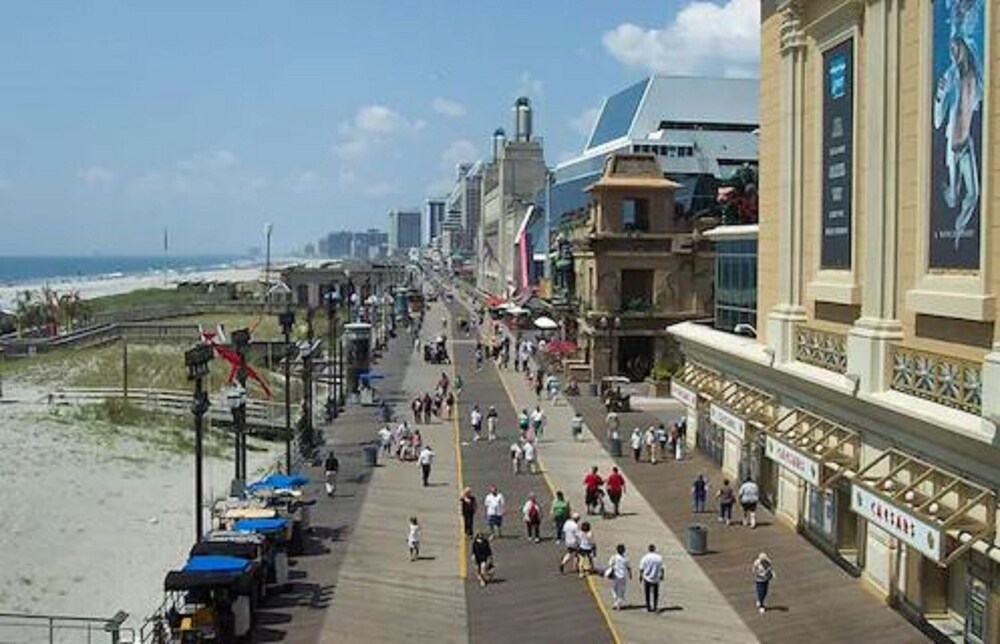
<point x="25" y="269"/>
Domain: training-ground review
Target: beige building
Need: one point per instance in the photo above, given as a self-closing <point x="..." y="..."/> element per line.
<point x="637" y="268"/>
<point x="868" y="405"/>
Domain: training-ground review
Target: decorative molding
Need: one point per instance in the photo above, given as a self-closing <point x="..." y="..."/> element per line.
<point x="944" y="380"/>
<point x="823" y="349"/>
<point x="791" y="34"/>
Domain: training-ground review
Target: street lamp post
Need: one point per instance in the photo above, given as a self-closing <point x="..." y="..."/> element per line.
<point x="287" y="321"/>
<point x="238" y="402"/>
<point x="306" y="437"/>
<point x="610" y="326"/>
<point x="268" y="228"/>
<point x="332" y="304"/>
<point x="196" y="360"/>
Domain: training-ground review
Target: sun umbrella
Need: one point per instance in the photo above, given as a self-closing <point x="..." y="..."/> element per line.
<point x="546" y="323"/>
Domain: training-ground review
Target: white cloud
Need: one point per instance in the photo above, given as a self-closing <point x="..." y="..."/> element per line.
<point x="209" y="160"/>
<point x="96" y="176"/>
<point x="350" y="180"/>
<point x="460" y="151"/>
<point x="303" y="182"/>
<point x="372" y="125"/>
<point x="703" y="38"/>
<point x="584" y="122"/>
<point x="530" y="86"/>
<point x="449" y="108"/>
<point x="379" y="188"/>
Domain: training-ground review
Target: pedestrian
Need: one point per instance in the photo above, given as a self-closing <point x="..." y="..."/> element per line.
<point x="571" y="539"/>
<point x="727" y="497"/>
<point x="482" y="554"/>
<point x="560" y="514"/>
<point x="538" y="422"/>
<point x="619" y="571"/>
<point x="532" y="513"/>
<point x="592" y="483"/>
<point x="611" y="423"/>
<point x="516" y="456"/>
<point x="677" y="441"/>
<point x="763" y="573"/>
<point x="491" y="423"/>
<point x="651" y="445"/>
<point x="576" y="425"/>
<point x="699" y="493"/>
<point x="523" y="421"/>
<point x="588" y="548"/>
<point x="415" y="406"/>
<point x="425" y="459"/>
<point x="449" y="404"/>
<point x="494" y="505"/>
<point x="476" y="419"/>
<point x="538" y="384"/>
<point x="413" y="539"/>
<point x="458" y="386"/>
<point x="479" y="358"/>
<point x="426" y="406"/>
<point x="385" y="439"/>
<point x="330" y="469"/>
<point x="469" y="507"/>
<point x="651" y="569"/>
<point x="530" y="457"/>
<point x="616" y="487"/>
<point x="663" y="441"/>
<point x="749" y="496"/>
<point x="636" y="442"/>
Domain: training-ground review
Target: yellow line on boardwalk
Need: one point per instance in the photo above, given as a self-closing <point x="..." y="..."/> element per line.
<point x="552" y="491"/>
<point x="463" y="554"/>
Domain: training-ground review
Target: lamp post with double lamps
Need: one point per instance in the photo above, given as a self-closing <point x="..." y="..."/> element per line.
<point x="332" y="305"/>
<point x="237" y="398"/>
<point x="306" y="352"/>
<point x="287" y="321"/>
<point x="197" y="360"/>
<point x="610" y="326"/>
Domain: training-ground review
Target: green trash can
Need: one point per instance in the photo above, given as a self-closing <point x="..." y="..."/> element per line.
<point x="370" y="455"/>
<point x="696" y="539"/>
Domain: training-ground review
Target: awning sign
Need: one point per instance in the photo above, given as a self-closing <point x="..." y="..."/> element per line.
<point x="683" y="394"/>
<point x="904" y="526"/>
<point x="727" y="421"/>
<point x="793" y="460"/>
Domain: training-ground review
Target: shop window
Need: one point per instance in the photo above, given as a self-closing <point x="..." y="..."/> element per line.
<point x="635" y="215"/>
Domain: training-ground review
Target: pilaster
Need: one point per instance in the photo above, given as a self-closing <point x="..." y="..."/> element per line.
<point x="991" y="385"/>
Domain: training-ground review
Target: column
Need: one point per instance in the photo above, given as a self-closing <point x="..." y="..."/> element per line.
<point x="868" y="341"/>
<point x="783" y="317"/>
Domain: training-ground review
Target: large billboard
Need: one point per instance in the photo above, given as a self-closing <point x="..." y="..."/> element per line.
<point x="838" y="155"/>
<point x="957" y="133"/>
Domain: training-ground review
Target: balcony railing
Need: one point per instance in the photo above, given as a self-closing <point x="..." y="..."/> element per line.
<point x="946" y="380"/>
<point x="823" y="349"/>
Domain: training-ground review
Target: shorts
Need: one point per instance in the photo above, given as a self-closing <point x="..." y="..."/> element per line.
<point x="615" y="495"/>
<point x="749" y="507"/>
<point x="494" y="519"/>
<point x="593" y="497"/>
<point x="572" y="550"/>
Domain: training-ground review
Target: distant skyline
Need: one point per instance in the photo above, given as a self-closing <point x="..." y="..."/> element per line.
<point x="118" y="119"/>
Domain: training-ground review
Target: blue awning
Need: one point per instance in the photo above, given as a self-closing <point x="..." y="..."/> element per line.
<point x="282" y="481"/>
<point x="216" y="563"/>
<point x="261" y="526"/>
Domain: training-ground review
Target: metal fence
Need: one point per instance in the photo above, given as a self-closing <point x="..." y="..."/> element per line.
<point x="26" y="628"/>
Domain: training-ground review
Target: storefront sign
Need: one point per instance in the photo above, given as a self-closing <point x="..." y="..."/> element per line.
<point x="838" y="155"/>
<point x="793" y="460"/>
<point x="727" y="421"/>
<point x="904" y="526"/>
<point x="683" y="394"/>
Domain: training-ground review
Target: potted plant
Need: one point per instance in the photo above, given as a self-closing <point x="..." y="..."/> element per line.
<point x="659" y="379"/>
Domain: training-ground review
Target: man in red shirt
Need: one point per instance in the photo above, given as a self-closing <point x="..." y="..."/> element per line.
<point x="592" y="483"/>
<point x="616" y="487"/>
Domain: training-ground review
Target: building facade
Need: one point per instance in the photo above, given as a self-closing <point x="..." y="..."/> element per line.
<point x="404" y="231"/>
<point x="435" y="209"/>
<point x="868" y="405"/>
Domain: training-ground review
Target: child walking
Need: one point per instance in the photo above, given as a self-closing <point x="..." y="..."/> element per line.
<point x="413" y="539"/>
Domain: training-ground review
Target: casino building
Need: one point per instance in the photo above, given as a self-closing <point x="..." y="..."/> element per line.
<point x="868" y="404"/>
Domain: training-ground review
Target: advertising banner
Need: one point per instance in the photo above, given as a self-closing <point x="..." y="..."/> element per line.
<point x="683" y="394"/>
<point x="899" y="523"/>
<point x="793" y="460"/>
<point x="838" y="155"/>
<point x="727" y="421"/>
<point x="956" y="134"/>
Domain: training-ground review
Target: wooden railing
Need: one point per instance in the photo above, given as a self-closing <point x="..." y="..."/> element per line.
<point x="946" y="380"/>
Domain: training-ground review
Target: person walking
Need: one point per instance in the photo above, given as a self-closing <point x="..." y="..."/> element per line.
<point x="663" y="441"/>
<point x="611" y="423"/>
<point x="476" y="420"/>
<point x="523" y="421"/>
<point x="516" y="457"/>
<point x="330" y="469"/>
<point x="385" y="439"/>
<point x="482" y="554"/>
<point x="616" y="487"/>
<point x="530" y="457"/>
<point x="592" y="483"/>
<point x="469" y="506"/>
<point x="651" y="445"/>
<point x="532" y="513"/>
<point x="619" y="571"/>
<point x="425" y="459"/>
<point x="727" y="497"/>
<point x="491" y="423"/>
<point x="538" y="422"/>
<point x="587" y="550"/>
<point x="651" y="569"/>
<point x="576" y="425"/>
<point x="413" y="539"/>
<point x="749" y="495"/>
<point x="699" y="493"/>
<point x="427" y="407"/>
<point x="571" y="539"/>
<point x="495" y="507"/>
<point x="560" y="514"/>
<point x="763" y="573"/>
<point x="458" y="386"/>
<point x="636" y="442"/>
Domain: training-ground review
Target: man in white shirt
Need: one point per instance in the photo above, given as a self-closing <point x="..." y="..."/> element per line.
<point x="651" y="569"/>
<point x="530" y="457"/>
<point x="493" y="503"/>
<point x="538" y="422"/>
<point x="619" y="571"/>
<point x="385" y="438"/>
<point x="425" y="459"/>
<point x="571" y="538"/>
<point x="476" y="419"/>
<point x="749" y="495"/>
<point x="516" y="455"/>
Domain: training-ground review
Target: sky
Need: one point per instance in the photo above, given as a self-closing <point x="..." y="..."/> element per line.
<point x="119" y="118"/>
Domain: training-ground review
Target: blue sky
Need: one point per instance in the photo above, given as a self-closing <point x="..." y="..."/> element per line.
<point x="211" y="118"/>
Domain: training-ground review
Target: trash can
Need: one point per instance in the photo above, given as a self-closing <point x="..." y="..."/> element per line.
<point x="696" y="539"/>
<point x="592" y="389"/>
<point x="370" y="455"/>
<point x="615" y="443"/>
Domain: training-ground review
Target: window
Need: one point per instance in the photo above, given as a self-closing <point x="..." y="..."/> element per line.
<point x="635" y="215"/>
<point x="637" y="290"/>
<point x="736" y="284"/>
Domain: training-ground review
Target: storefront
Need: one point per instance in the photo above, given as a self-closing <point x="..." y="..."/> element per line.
<point x="741" y="412"/>
<point x="814" y="456"/>
<point x="939" y="565"/>
<point x="696" y="386"/>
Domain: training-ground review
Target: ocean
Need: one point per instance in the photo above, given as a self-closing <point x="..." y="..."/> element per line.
<point x="18" y="270"/>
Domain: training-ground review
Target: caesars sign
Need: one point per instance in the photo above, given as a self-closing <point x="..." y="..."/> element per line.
<point x="727" y="421"/>
<point x="915" y="532"/>
<point x="683" y="394"/>
<point x="793" y="460"/>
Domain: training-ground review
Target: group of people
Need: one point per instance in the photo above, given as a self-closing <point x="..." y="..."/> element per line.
<point x="595" y="488"/>
<point x="439" y="404"/>
<point x="657" y="442"/>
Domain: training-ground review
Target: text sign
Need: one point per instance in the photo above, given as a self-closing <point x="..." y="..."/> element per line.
<point x="838" y="155"/>
<point x="793" y="460"/>
<point x="901" y="524"/>
<point x="683" y="394"/>
<point x="727" y="421"/>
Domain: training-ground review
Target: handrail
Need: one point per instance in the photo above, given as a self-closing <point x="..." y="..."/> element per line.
<point x="112" y="626"/>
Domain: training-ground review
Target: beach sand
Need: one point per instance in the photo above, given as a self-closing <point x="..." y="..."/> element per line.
<point x="90" y="523"/>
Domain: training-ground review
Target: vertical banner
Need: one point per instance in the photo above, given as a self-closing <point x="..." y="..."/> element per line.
<point x="838" y="155"/>
<point x="957" y="132"/>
